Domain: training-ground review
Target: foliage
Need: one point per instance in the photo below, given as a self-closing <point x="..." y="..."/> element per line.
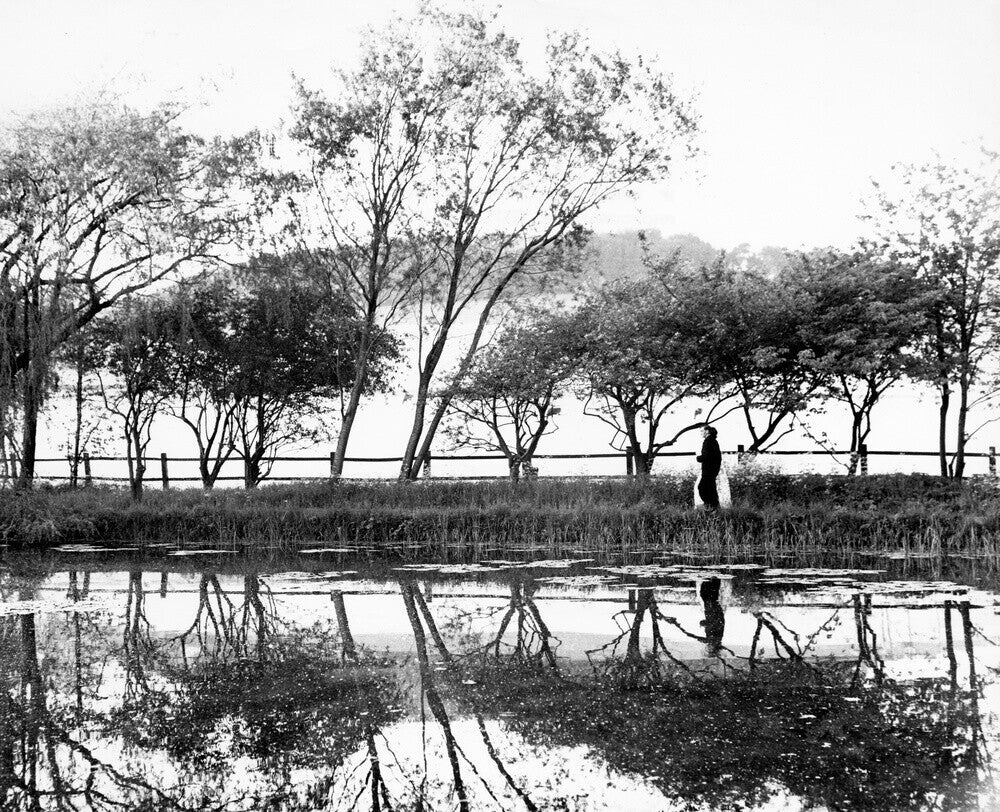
<point x="511" y="388"/>
<point x="866" y="319"/>
<point x="491" y="164"/>
<point x="292" y="344"/>
<point x="98" y="202"/>
<point x="132" y="347"/>
<point x="943" y="223"/>
<point x="640" y="362"/>
<point x="750" y="329"/>
<point x="256" y="353"/>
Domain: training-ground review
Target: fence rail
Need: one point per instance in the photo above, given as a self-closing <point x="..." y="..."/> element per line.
<point x="80" y="469"/>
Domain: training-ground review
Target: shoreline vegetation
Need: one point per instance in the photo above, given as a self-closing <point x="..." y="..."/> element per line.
<point x="772" y="513"/>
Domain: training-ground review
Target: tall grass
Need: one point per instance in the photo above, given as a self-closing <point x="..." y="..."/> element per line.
<point x="772" y="513"/>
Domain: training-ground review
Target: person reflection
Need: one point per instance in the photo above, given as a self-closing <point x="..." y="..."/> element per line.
<point x="715" y="616"/>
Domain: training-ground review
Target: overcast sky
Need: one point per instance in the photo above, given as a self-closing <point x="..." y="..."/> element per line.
<point x="802" y="101"/>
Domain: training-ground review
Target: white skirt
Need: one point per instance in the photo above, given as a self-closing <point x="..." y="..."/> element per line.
<point x="721" y="485"/>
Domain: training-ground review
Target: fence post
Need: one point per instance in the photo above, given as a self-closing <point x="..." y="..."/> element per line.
<point x="629" y="463"/>
<point x="741" y="451"/>
<point x="88" y="480"/>
<point x="333" y="458"/>
<point x="163" y="471"/>
<point x="863" y="454"/>
<point x="163" y="584"/>
<point x="993" y="460"/>
<point x="427" y="466"/>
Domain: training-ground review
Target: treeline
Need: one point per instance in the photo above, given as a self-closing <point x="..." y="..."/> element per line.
<point x="435" y="181"/>
<point x="259" y="288"/>
<point x="775" y="337"/>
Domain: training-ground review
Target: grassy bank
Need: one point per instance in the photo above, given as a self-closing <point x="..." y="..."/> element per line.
<point x="772" y="512"/>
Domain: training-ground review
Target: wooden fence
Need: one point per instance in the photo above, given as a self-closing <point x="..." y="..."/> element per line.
<point x="86" y="477"/>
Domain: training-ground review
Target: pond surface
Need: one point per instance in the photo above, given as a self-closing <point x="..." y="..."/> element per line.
<point x="338" y="682"/>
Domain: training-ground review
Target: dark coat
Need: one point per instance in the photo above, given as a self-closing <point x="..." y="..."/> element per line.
<point x="710" y="458"/>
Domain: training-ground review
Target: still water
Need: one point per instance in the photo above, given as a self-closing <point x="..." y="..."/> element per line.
<point x="339" y="682"/>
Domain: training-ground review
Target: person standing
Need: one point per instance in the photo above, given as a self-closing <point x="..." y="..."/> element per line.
<point x="711" y="463"/>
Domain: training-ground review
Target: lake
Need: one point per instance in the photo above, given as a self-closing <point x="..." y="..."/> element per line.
<point x="340" y="680"/>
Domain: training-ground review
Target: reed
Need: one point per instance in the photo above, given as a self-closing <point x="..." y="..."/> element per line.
<point x="772" y="513"/>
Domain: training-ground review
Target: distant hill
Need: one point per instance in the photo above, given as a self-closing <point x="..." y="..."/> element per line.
<point x="617" y="255"/>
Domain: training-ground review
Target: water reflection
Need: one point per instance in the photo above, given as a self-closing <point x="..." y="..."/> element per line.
<point x="504" y="689"/>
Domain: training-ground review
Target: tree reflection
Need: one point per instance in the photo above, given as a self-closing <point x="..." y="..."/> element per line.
<point x="813" y="729"/>
<point x="634" y="668"/>
<point x="244" y="708"/>
<point x="520" y="638"/>
<point x="224" y="629"/>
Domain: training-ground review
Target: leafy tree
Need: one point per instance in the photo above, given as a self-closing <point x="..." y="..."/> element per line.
<point x="133" y="349"/>
<point x="203" y="372"/>
<point x="867" y="318"/>
<point x="291" y="346"/>
<point x="506" y="401"/>
<point x="368" y="149"/>
<point x="479" y="167"/>
<point x="78" y="357"/>
<point x="943" y="223"/>
<point x="98" y="202"/>
<point x="640" y="363"/>
<point x="749" y="329"/>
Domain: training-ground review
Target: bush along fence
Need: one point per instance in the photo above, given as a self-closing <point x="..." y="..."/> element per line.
<point x="80" y="471"/>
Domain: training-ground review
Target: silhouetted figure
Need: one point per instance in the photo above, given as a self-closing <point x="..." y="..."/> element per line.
<point x="711" y="463"/>
<point x="715" y="616"/>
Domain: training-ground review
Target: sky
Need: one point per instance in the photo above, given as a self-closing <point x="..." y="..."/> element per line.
<point x="802" y="101"/>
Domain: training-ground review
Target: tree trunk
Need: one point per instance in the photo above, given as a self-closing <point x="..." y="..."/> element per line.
<point x="251" y="471"/>
<point x="354" y="401"/>
<point x="514" y="469"/>
<point x="434" y="702"/>
<point x="346" y="638"/>
<point x="641" y="459"/>
<point x="207" y="480"/>
<point x="252" y="458"/>
<point x="445" y="401"/>
<point x="32" y="393"/>
<point x="963" y="411"/>
<point x="137" y="473"/>
<point x="29" y="434"/>
<point x="409" y="469"/>
<point x="943" y="428"/>
<point x="74" y="473"/>
<point x="856" y="423"/>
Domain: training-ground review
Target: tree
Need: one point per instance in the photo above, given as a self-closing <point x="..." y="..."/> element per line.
<point x="749" y="329"/>
<point x="98" y="202"/>
<point x="525" y="158"/>
<point x="943" y="222"/>
<point x="133" y="348"/>
<point x="640" y="363"/>
<point x="511" y="388"/>
<point x="78" y="356"/>
<point x="291" y="347"/>
<point x="481" y="167"/>
<point x="368" y="151"/>
<point x="203" y="372"/>
<point x="867" y="318"/>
